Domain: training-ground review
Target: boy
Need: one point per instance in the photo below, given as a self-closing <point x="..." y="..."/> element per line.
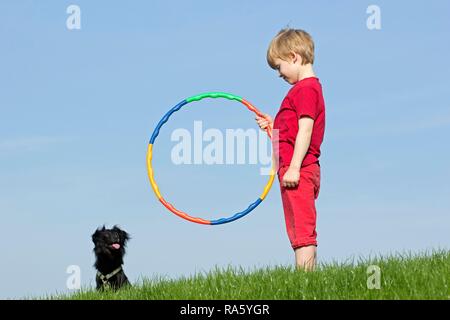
<point x="300" y="123"/>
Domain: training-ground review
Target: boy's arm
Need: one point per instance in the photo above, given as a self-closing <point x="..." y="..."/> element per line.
<point x="302" y="141"/>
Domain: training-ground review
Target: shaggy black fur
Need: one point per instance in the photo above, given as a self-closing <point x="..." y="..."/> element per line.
<point x="109" y="251"/>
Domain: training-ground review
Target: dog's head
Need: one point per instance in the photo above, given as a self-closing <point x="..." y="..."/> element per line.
<point x="110" y="242"/>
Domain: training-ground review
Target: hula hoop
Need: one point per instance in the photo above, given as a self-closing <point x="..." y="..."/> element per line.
<point x="169" y="206"/>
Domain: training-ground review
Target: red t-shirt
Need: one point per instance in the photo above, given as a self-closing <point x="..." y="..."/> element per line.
<point x="305" y="98"/>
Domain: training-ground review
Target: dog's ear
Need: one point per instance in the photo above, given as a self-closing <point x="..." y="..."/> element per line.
<point x="124" y="236"/>
<point x="96" y="234"/>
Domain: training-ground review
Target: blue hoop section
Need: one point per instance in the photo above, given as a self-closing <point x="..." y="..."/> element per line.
<point x="165" y="118"/>
<point x="239" y="214"/>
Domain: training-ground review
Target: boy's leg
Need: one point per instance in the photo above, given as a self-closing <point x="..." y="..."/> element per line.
<point x="305" y="258"/>
<point x="300" y="215"/>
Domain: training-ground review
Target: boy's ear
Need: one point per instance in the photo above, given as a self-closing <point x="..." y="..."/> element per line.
<point x="293" y="56"/>
<point x="296" y="58"/>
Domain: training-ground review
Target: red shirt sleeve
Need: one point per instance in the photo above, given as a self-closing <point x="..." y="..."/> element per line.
<point x="305" y="103"/>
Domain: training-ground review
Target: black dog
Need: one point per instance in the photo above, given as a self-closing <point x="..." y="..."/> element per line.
<point x="109" y="251"/>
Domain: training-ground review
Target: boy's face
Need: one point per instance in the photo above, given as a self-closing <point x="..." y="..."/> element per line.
<point x="288" y="69"/>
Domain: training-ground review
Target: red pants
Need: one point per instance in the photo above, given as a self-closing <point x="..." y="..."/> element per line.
<point x="299" y="206"/>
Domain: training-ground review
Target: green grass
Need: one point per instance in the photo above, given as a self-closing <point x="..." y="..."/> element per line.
<point x="407" y="276"/>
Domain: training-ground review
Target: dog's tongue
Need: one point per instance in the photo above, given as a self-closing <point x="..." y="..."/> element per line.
<point x="115" y="246"/>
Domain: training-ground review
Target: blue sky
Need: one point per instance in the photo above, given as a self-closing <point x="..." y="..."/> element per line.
<point x="78" y="107"/>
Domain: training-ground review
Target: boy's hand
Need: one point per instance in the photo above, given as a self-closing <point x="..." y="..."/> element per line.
<point x="291" y="178"/>
<point x="265" y="121"/>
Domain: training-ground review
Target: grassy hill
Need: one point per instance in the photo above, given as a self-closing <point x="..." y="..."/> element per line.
<point x="421" y="276"/>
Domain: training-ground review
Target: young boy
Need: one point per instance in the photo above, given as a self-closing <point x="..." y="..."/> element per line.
<point x="300" y="124"/>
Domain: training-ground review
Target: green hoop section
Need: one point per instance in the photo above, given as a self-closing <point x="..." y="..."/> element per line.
<point x="150" y="171"/>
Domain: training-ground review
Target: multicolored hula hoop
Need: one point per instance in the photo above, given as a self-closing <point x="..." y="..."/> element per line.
<point x="150" y="169"/>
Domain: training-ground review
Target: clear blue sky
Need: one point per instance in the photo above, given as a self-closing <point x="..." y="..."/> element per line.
<point x="78" y="107"/>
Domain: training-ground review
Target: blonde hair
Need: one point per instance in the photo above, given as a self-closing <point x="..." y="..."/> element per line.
<point x="291" y="40"/>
